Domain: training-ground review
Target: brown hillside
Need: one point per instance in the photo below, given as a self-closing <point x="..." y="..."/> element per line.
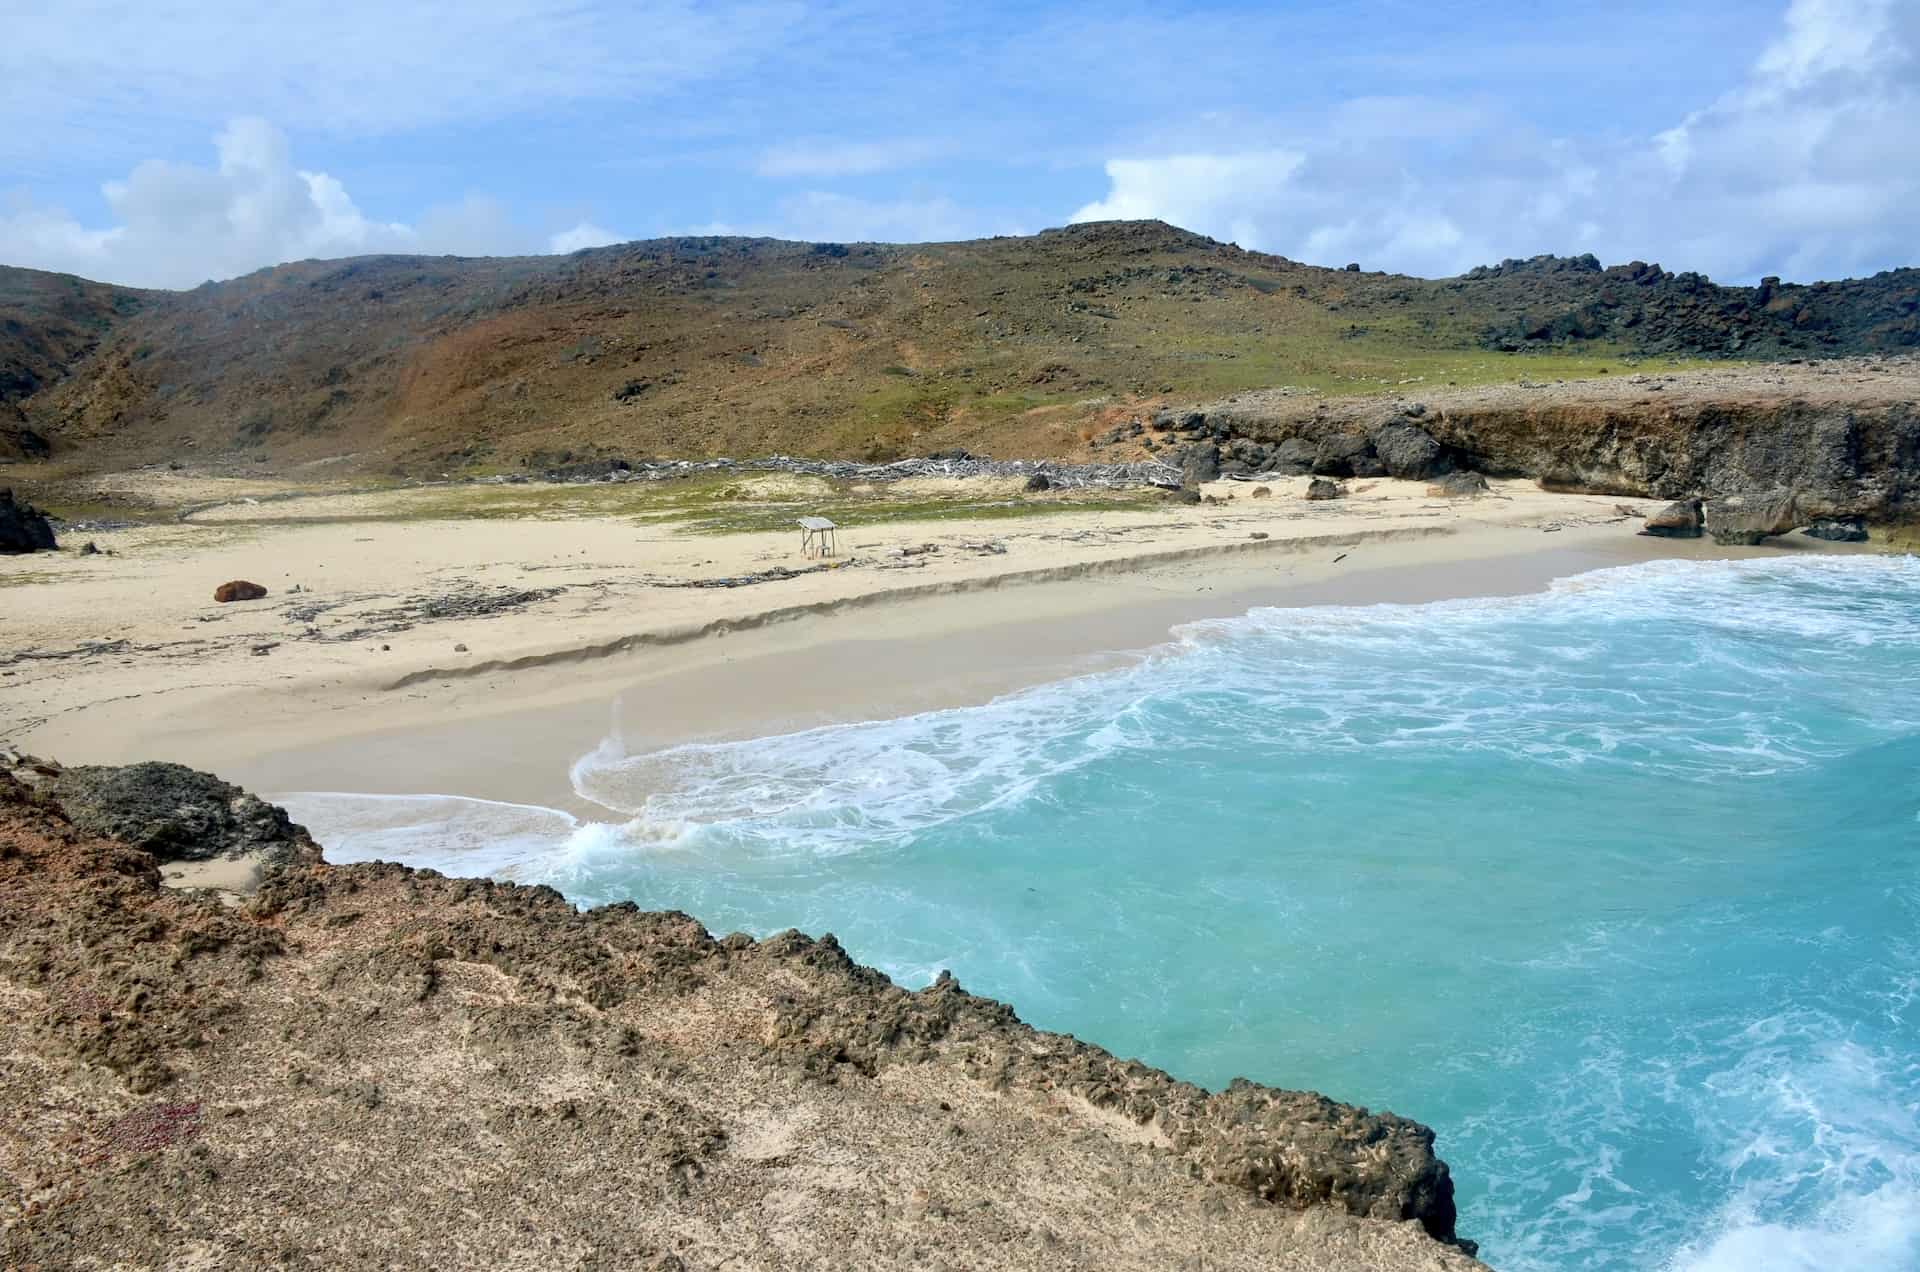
<point x="692" y="347"/>
<point x="48" y="324"/>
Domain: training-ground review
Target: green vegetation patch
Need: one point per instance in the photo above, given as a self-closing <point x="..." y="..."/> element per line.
<point x="855" y="513"/>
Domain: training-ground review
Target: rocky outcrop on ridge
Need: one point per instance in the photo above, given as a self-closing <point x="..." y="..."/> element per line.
<point x="1562" y="301"/>
<point x="368" y="1064"/>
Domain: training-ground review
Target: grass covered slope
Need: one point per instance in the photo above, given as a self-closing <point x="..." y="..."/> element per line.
<point x="702" y="346"/>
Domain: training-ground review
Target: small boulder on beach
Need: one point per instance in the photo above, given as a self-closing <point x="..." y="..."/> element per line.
<point x="1409" y="452"/>
<point x="238" y="590"/>
<point x="1678" y="520"/>
<point x="1749" y="519"/>
<point x="1293" y="457"/>
<point x="1459" y="486"/>
<point x="23" y="528"/>
<point x="1346" y="455"/>
<point x="1321" y="489"/>
<point x="1838" y="529"/>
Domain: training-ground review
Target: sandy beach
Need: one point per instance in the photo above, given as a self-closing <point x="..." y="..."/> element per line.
<point x="407" y="644"/>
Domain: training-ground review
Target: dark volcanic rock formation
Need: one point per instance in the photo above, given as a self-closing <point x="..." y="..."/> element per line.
<point x="174" y="812"/>
<point x="467" y="1052"/>
<point x="1556" y="301"/>
<point x="23" y="528"/>
<point x="1294" y="457"/>
<point x="1200" y="463"/>
<point x="1346" y="455"/>
<point x="1409" y="452"/>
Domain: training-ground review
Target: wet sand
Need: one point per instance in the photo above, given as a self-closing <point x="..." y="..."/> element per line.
<point x="514" y="736"/>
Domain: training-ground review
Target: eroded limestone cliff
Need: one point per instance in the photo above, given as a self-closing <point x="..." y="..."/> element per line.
<point x="1842" y="438"/>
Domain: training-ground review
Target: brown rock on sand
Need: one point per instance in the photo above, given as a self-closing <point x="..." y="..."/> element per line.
<point x="238" y="590"/>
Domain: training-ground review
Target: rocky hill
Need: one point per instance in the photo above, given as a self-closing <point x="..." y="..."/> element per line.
<point x="360" y="1066"/>
<point x="700" y="346"/>
<point x="49" y="325"/>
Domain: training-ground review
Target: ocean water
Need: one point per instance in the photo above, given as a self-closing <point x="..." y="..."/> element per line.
<point x="1616" y="886"/>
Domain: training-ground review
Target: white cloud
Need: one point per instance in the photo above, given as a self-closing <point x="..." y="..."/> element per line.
<point x="842" y="158"/>
<point x="1810" y="168"/>
<point x="586" y="234"/>
<point x="1812" y="165"/>
<point x="176" y="225"/>
<point x="1826" y="36"/>
<point x="1193" y="190"/>
<point x="1328" y="202"/>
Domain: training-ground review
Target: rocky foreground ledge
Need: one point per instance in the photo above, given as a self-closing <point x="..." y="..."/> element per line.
<point x="370" y="1065"/>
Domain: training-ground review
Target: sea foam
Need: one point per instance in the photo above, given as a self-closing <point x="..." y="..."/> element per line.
<point x="1614" y="884"/>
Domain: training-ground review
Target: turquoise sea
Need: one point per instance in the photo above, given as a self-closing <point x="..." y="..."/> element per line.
<point x="1616" y="886"/>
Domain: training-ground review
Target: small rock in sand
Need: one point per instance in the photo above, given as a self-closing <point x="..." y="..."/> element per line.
<point x="1322" y="489"/>
<point x="238" y="590"/>
<point x="1459" y="486"/>
<point x="459" y="649"/>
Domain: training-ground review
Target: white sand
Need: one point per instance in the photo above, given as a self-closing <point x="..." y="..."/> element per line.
<point x="172" y="675"/>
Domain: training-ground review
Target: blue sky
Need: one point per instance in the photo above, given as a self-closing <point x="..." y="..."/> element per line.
<point x="163" y="143"/>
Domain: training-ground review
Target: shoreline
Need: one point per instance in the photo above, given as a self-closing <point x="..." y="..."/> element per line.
<point x="396" y="704"/>
<point x="508" y="729"/>
<point x="510" y="733"/>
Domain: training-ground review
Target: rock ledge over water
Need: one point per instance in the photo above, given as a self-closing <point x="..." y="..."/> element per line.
<point x="507" y="1079"/>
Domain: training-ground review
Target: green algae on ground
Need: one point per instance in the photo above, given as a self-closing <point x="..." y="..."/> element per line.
<point x="873" y="512"/>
